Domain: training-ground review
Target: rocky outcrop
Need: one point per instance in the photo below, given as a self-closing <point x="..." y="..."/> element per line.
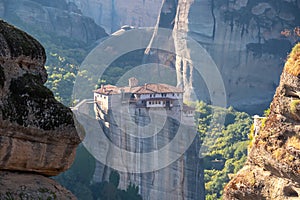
<point x="273" y="167"/>
<point x="54" y="17"/>
<point x="173" y="173"/>
<point x="112" y="14"/>
<point x="244" y="40"/>
<point x="182" y="179"/>
<point x="16" y="185"/>
<point x="37" y="133"/>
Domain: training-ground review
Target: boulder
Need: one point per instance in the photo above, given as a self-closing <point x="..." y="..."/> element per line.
<point x="16" y="185"/>
<point x="37" y="133"/>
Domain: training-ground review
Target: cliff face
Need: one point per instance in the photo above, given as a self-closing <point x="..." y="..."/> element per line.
<point x="181" y="179"/>
<point x="272" y="170"/>
<point x="112" y="14"/>
<point x="244" y="40"/>
<point x="37" y="133"/>
<point x="57" y="17"/>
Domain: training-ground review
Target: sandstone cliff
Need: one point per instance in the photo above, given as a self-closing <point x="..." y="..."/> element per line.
<point x="37" y="133"/>
<point x="149" y="147"/>
<point x="244" y="40"/>
<point x="112" y="14"/>
<point x="17" y="185"/>
<point x="182" y="179"/>
<point x="57" y="17"/>
<point x="273" y="167"/>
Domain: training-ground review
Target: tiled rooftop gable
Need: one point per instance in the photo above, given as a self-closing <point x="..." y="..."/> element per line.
<point x="150" y="88"/>
<point x="156" y="88"/>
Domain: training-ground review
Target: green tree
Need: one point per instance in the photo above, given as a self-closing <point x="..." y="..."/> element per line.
<point x="226" y="141"/>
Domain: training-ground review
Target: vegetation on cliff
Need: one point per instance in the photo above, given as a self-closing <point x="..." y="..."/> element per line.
<point x="225" y="143"/>
<point x="292" y="65"/>
<point x="272" y="169"/>
<point x="79" y="181"/>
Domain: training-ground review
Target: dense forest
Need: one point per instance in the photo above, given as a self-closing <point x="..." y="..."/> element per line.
<point x="225" y="143"/>
<point x="78" y="180"/>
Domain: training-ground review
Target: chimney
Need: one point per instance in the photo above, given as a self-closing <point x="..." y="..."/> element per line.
<point x="133" y="82"/>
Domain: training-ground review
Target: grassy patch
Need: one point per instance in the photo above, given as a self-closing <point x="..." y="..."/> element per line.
<point x="277" y="153"/>
<point x="251" y="137"/>
<point x="294" y="142"/>
<point x="293" y="106"/>
<point x="292" y="65"/>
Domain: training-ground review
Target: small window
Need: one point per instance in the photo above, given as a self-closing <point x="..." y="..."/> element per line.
<point x="154" y="95"/>
<point x="150" y="95"/>
<point x="173" y="94"/>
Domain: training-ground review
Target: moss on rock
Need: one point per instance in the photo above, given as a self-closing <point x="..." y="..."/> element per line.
<point x="19" y="43"/>
<point x="28" y="97"/>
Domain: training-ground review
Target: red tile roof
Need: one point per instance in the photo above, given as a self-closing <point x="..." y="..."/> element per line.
<point x="108" y="89"/>
<point x="150" y="88"/>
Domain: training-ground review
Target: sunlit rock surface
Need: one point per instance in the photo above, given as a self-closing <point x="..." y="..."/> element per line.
<point x="273" y="167"/>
